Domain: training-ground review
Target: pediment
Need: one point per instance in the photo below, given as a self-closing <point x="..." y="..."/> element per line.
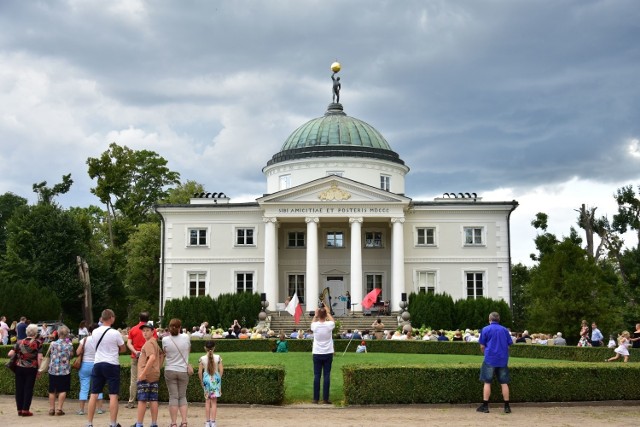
<point x="334" y="190"/>
<point x="334" y="272"/>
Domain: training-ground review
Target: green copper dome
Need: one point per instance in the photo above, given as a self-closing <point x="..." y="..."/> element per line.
<point x="335" y="135"/>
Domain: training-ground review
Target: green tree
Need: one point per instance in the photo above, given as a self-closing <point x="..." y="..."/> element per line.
<point x="42" y="245"/>
<point x="9" y="203"/>
<point x="628" y="216"/>
<point x="46" y="194"/>
<point x="30" y="300"/>
<point x="569" y="286"/>
<point x="182" y="193"/>
<point x="129" y="183"/>
<point x="520" y="281"/>
<point x="142" y="277"/>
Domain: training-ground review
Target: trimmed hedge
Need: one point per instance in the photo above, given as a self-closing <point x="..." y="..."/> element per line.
<point x="262" y="385"/>
<point x="368" y="385"/>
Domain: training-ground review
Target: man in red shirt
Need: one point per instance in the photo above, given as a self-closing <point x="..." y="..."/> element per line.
<point x="135" y="341"/>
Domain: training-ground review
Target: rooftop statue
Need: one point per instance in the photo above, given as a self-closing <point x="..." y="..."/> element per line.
<point x="335" y="67"/>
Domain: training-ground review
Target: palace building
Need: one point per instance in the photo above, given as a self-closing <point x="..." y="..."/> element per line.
<point x="335" y="217"/>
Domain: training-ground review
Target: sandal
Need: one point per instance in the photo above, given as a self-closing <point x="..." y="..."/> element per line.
<point x="59" y="412"/>
<point x="183" y="424"/>
<point x="52" y="411"/>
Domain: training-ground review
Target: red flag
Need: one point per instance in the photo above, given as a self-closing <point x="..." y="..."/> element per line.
<point x="371" y="298"/>
<point x="294" y="308"/>
<point x="296" y="317"/>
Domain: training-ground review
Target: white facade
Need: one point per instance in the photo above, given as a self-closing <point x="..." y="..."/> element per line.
<point x="341" y="223"/>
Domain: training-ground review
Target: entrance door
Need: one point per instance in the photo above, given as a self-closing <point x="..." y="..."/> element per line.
<point x="337" y="291"/>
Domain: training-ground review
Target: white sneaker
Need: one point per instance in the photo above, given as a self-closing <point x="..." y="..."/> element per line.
<point x="213" y="424"/>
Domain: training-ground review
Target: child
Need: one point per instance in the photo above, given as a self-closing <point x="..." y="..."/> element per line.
<point x="621" y="350"/>
<point x="281" y="344"/>
<point x="149" y="363"/>
<point x="210" y="372"/>
<point x="612" y="342"/>
<point x="362" y="348"/>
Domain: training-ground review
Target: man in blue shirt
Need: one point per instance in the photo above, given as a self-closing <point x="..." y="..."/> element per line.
<point x="494" y="341"/>
<point x="596" y="336"/>
<point x="21" y="328"/>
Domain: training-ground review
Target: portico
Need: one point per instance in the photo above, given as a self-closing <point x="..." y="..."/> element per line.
<point x="338" y="215"/>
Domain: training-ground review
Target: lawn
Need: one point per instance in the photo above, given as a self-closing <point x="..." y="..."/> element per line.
<point x="299" y="367"/>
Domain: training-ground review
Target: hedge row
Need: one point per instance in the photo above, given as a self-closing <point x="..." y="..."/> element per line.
<point x="533" y="351"/>
<point x="372" y="384"/>
<point x="242" y="384"/>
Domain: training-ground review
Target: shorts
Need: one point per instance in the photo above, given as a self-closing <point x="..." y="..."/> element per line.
<point x="105" y="373"/>
<point x="147" y="392"/>
<point x="59" y="383"/>
<point x="487" y="372"/>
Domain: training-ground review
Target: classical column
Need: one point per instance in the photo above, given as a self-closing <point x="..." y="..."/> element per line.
<point x="312" y="291"/>
<point x="397" y="262"/>
<point x="271" y="261"/>
<point x="356" y="262"/>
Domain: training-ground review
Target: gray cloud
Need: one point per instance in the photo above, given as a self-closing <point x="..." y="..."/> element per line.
<point x="473" y="95"/>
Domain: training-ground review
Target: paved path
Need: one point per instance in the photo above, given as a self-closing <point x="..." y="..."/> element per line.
<point x="307" y="415"/>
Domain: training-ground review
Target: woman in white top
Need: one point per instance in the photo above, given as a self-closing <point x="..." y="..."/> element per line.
<point x="176" y="348"/>
<point x="87" y="348"/>
<point x="322" y="327"/>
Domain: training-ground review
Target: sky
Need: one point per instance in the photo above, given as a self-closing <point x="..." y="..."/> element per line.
<point x="534" y="101"/>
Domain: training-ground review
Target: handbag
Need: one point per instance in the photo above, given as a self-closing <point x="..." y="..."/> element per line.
<point x="190" y="370"/>
<point x="77" y="362"/>
<point x="44" y="365"/>
<point x="12" y="364"/>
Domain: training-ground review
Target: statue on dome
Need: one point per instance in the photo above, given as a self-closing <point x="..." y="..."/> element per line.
<point x="335" y="67"/>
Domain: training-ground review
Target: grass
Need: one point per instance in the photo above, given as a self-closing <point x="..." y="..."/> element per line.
<point x="299" y="367"/>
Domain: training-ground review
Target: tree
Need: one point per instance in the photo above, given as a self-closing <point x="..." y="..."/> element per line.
<point x="46" y="194"/>
<point x="182" y="193"/>
<point x="9" y="203"/>
<point x="569" y="286"/>
<point x="544" y="242"/>
<point x="628" y="215"/>
<point x="520" y="281"/>
<point x="129" y="183"/>
<point x="142" y="277"/>
<point x="42" y="245"/>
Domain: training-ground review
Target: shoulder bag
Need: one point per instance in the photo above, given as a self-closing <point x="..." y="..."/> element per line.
<point x="77" y="362"/>
<point x="190" y="370"/>
<point x="12" y="364"/>
<point x="44" y="365"/>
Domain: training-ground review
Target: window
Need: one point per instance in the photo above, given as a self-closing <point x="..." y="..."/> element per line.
<point x="426" y="236"/>
<point x="374" y="280"/>
<point x="426" y="282"/>
<point x="244" y="282"/>
<point x="385" y="182"/>
<point x="197" y="237"/>
<point x="473" y="236"/>
<point x="244" y="236"/>
<point x="295" y="239"/>
<point x="335" y="239"/>
<point x="197" y="283"/>
<point x="296" y="285"/>
<point x="372" y="239"/>
<point x="285" y="182"/>
<point x="475" y="282"/>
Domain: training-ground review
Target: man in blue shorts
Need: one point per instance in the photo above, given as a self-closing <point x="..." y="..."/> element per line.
<point x="106" y="367"/>
<point x="494" y="341"/>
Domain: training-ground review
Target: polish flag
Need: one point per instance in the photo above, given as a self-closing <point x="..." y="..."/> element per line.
<point x="294" y="308"/>
<point x="371" y="298"/>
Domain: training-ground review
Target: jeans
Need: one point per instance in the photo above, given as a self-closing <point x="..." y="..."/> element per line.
<point x="25" y="381"/>
<point x="322" y="366"/>
<point x="84" y="375"/>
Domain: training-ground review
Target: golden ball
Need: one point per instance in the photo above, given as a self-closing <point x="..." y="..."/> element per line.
<point x="335" y="67"/>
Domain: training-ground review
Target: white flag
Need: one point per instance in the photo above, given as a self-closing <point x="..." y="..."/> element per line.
<point x="291" y="307"/>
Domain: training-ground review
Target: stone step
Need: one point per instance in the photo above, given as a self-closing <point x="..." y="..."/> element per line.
<point x="286" y="323"/>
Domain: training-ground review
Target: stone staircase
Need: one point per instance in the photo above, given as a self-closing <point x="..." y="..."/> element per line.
<point x="284" y="321"/>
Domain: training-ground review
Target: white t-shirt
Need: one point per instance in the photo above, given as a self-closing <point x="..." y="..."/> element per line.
<point x="204" y="361"/>
<point x="89" y="348"/>
<point x="4" y="329"/>
<point x="176" y="350"/>
<point x="109" y="349"/>
<point x="323" y="337"/>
